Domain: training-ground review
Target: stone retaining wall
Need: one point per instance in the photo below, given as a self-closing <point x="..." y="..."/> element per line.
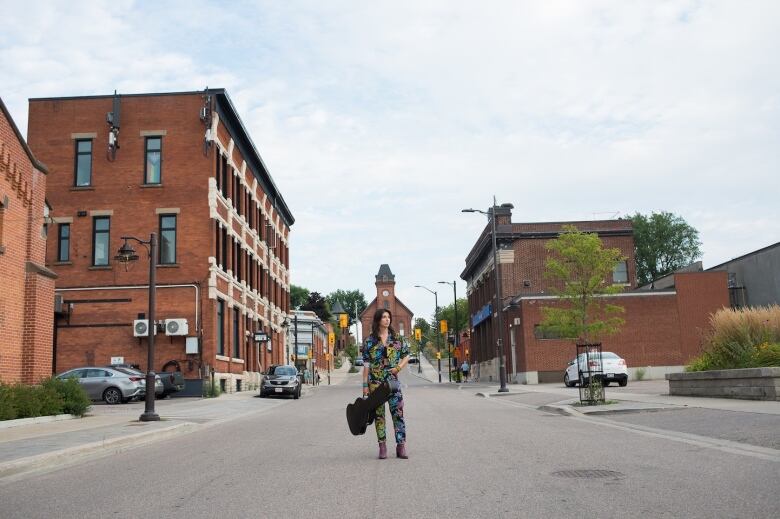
<point x="746" y="384"/>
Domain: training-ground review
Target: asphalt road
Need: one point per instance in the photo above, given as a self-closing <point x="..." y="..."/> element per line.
<point x="469" y="457"/>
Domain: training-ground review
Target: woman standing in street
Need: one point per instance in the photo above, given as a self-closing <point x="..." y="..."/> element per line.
<point x="385" y="354"/>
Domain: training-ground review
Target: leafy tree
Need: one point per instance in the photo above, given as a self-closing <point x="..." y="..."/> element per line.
<point x="425" y="329"/>
<point x="581" y="266"/>
<point x="317" y="304"/>
<point x="348" y="299"/>
<point x="298" y="296"/>
<point x="447" y="313"/>
<point x="664" y="242"/>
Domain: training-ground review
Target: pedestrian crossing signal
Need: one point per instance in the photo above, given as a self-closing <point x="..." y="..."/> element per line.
<point x="417" y="334"/>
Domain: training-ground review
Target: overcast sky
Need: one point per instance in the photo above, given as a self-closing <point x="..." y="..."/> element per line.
<point x="380" y="121"/>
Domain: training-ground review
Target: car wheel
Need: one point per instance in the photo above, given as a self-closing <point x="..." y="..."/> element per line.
<point x="623" y="383"/>
<point x="568" y="382"/>
<point x="112" y="396"/>
<point x="604" y="382"/>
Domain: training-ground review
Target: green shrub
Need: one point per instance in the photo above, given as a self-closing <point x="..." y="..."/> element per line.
<point x="211" y="391"/>
<point x="7" y="407"/>
<point x="744" y="338"/>
<point x="640" y="373"/>
<point x="49" y="399"/>
<point x="74" y="399"/>
<point x="26" y="401"/>
<point x="337" y="362"/>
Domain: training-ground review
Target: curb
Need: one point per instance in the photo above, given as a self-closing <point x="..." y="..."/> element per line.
<point x="7" y="424"/>
<point x="115" y="445"/>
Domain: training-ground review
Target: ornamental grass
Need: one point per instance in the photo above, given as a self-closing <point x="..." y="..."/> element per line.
<point x="741" y="338"/>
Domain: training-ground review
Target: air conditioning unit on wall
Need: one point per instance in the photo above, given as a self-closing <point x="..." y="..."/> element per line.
<point x="176" y="327"/>
<point x="141" y="328"/>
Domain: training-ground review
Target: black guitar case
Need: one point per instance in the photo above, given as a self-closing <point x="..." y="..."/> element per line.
<point x="361" y="413"/>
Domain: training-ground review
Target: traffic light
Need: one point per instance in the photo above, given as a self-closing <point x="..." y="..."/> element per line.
<point x="327" y="356"/>
<point x="331" y="338"/>
<point x="438" y="355"/>
<point x="343" y="320"/>
<point x="417" y="334"/>
<point x="443" y="326"/>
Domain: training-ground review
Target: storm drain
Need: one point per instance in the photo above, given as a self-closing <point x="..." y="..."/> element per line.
<point x="589" y="474"/>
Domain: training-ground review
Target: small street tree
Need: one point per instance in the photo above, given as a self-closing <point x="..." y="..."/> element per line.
<point x="664" y="242"/>
<point x="580" y="268"/>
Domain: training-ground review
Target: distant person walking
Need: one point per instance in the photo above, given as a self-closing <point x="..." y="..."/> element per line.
<point x="385" y="354"/>
<point x="464" y="368"/>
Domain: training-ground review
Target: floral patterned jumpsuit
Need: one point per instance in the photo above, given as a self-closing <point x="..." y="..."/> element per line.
<point x="380" y="359"/>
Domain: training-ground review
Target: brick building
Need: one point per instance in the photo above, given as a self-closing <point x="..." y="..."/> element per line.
<point x="663" y="328"/>
<point x="385" y="298"/>
<point x="27" y="295"/>
<point x="183" y="166"/>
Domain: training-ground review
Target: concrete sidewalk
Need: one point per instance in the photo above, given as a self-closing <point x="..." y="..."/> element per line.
<point x="638" y="396"/>
<point x="39" y="444"/>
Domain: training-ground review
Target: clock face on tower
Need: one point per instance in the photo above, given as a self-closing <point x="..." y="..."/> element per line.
<point x="385" y="293"/>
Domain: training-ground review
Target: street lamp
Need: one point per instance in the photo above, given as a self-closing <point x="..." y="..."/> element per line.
<point x="286" y="350"/>
<point x="126" y="254"/>
<point x="436" y="318"/>
<point x="455" y="318"/>
<point x="499" y="299"/>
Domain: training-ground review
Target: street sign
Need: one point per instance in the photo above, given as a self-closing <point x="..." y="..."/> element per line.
<point x="261" y="337"/>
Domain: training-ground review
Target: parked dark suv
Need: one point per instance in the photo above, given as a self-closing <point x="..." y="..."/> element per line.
<point x="281" y="380"/>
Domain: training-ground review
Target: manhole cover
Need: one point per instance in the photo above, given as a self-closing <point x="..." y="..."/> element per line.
<point x="589" y="474"/>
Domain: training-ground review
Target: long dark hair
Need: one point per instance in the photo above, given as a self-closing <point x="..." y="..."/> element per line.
<point x="375" y="323"/>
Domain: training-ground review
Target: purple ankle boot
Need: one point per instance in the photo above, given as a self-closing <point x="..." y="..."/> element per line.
<point x="382" y="450"/>
<point x="400" y="451"/>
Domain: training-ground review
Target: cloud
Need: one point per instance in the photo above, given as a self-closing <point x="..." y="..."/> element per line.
<point x="380" y="121"/>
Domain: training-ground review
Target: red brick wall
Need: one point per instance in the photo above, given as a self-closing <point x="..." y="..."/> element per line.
<point x="663" y="329"/>
<point x="699" y="295"/>
<point x="27" y="295"/>
<point x="118" y="186"/>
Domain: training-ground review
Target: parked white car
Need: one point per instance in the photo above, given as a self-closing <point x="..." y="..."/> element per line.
<point x="613" y="370"/>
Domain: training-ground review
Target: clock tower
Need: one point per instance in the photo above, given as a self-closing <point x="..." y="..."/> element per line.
<point x="385" y="300"/>
<point x="385" y="287"/>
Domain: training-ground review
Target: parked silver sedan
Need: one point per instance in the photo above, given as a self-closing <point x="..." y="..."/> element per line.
<point x="107" y="384"/>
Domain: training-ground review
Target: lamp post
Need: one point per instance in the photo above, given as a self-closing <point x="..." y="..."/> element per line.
<point x="126" y="254"/>
<point x="455" y="318"/>
<point x="287" y="355"/>
<point x="499" y="299"/>
<point x="436" y="318"/>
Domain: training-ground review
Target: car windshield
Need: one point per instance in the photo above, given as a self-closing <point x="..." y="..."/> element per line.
<point x="285" y="370"/>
